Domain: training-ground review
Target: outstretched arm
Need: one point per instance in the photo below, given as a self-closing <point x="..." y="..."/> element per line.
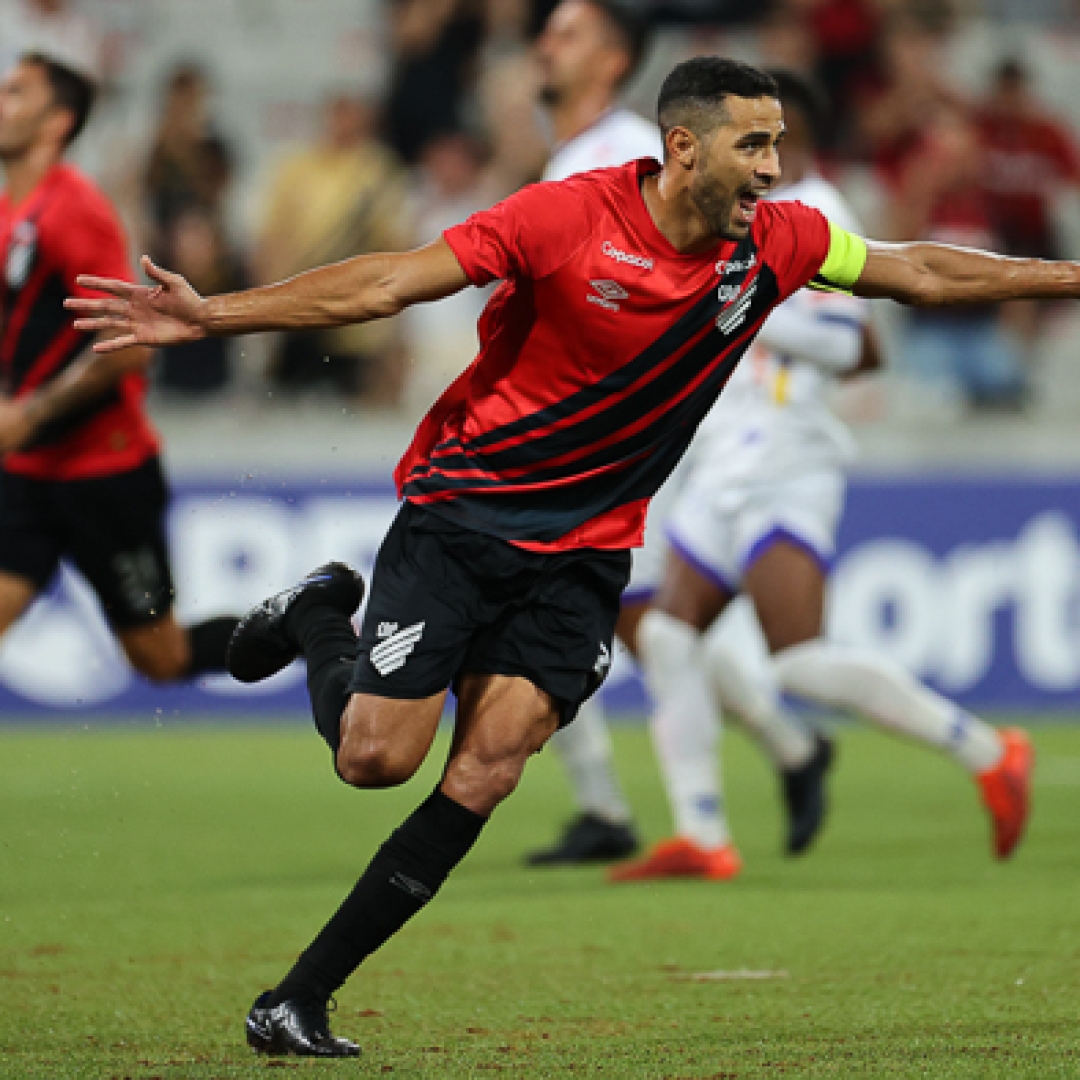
<point x="356" y="290"/>
<point x="931" y="275"/>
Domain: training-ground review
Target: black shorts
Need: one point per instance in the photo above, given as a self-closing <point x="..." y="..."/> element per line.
<point x="111" y="527"/>
<point x="447" y="601"/>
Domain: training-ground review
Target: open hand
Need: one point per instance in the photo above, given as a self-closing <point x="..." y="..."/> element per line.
<point x="167" y="313"/>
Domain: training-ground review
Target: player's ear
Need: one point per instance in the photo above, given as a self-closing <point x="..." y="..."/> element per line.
<point x="682" y="146"/>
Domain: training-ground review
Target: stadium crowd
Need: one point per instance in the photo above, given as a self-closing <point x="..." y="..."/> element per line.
<point x="447" y="123"/>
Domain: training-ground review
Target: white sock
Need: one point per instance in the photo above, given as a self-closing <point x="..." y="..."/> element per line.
<point x="685" y="727"/>
<point x="745" y="685"/>
<point x="879" y="689"/>
<point x="584" y="747"/>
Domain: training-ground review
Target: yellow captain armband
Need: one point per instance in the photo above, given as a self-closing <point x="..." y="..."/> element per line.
<point x="843" y="264"/>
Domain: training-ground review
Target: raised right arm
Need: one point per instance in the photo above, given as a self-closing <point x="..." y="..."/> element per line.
<point x="354" y="291"/>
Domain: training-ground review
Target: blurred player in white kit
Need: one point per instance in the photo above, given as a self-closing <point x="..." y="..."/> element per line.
<point x="757" y="514"/>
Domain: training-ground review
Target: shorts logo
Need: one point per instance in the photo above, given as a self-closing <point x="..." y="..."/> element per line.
<point x="391" y="654"/>
<point x="386" y="629"/>
<point x="735" y="315"/>
<point x="612" y="252"/>
<point x="608" y="293"/>
<point x="603" y="661"/>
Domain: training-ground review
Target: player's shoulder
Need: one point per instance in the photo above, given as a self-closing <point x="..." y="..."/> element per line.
<point x="78" y="200"/>
<point x="821" y="194"/>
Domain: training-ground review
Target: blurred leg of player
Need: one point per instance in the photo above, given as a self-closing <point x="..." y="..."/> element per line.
<point x="786" y="583"/>
<point x="113" y="529"/>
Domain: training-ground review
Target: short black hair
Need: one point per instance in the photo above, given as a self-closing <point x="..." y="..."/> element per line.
<point x="696" y="88"/>
<point x="71" y="90"/>
<point x="630" y="25"/>
<point x="799" y="92"/>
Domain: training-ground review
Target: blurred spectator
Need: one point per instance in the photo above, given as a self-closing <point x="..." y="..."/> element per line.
<point x="184" y="185"/>
<point x="452" y="182"/>
<point x="843" y="35"/>
<point x="957" y="352"/>
<point x="343" y="196"/>
<point x="506" y="88"/>
<point x="1028" y="156"/>
<point x="435" y="45"/>
<point x="896" y="101"/>
<point x="52" y="27"/>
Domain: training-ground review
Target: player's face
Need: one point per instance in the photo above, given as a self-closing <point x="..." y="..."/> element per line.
<point x="575" y="51"/>
<point x="25" y="105"/>
<point x="739" y="164"/>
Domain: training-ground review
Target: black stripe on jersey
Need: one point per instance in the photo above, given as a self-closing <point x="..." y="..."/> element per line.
<point x="545" y="514"/>
<point x="44" y="321"/>
<point x="672" y="339"/>
<point x="532" y="456"/>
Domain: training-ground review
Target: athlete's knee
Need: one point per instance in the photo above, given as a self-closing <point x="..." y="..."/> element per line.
<point x="370" y="762"/>
<point x="481" y="783"/>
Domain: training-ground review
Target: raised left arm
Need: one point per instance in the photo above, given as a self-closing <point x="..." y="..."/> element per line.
<point x="937" y="275"/>
<point x="90" y="376"/>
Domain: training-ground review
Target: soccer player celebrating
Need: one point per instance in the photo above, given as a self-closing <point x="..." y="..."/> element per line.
<point x="587" y="52"/>
<point x="628" y="297"/>
<point x="79" y="470"/>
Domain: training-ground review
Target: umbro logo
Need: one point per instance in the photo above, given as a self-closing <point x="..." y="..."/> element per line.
<point x="735" y="314"/>
<point x="607" y="294"/>
<point x="391" y="654"/>
<point x="411" y="886"/>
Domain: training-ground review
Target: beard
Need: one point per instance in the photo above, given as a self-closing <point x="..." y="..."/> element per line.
<point x="716" y="209"/>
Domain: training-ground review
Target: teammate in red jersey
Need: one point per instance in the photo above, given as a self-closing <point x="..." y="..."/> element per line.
<point x="628" y="296"/>
<point x="80" y="477"/>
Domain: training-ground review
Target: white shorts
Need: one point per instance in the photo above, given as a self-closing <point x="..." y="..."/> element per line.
<point x="721" y="529"/>
<point x="648" y="566"/>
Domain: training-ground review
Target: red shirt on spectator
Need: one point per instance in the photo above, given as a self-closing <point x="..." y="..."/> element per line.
<point x="1025" y="159"/>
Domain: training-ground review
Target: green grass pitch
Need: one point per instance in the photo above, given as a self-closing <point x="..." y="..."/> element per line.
<point x="152" y="881"/>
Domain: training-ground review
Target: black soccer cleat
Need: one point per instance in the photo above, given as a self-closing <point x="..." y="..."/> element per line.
<point x="299" y="1028"/>
<point x="806" y="796"/>
<point x="260" y="645"/>
<point x="589" y="838"/>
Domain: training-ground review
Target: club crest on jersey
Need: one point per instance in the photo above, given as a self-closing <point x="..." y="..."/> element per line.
<point x="607" y="294"/>
<point x="21" y="254"/>
<point x="735" y="314"/>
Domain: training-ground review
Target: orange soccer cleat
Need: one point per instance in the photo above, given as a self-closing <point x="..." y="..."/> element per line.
<point x="1006" y="790"/>
<point x="681" y="857"/>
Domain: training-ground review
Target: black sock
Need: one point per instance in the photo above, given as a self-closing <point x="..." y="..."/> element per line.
<point x="208" y="641"/>
<point x="404" y="875"/>
<point x="327" y="642"/>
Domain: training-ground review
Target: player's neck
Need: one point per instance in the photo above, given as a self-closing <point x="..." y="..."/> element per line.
<point x="675" y="216"/>
<point x="570" y="118"/>
<point x="23" y="173"/>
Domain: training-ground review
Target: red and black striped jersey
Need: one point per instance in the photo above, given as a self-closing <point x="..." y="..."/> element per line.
<point x="65" y="227"/>
<point x="600" y="353"/>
